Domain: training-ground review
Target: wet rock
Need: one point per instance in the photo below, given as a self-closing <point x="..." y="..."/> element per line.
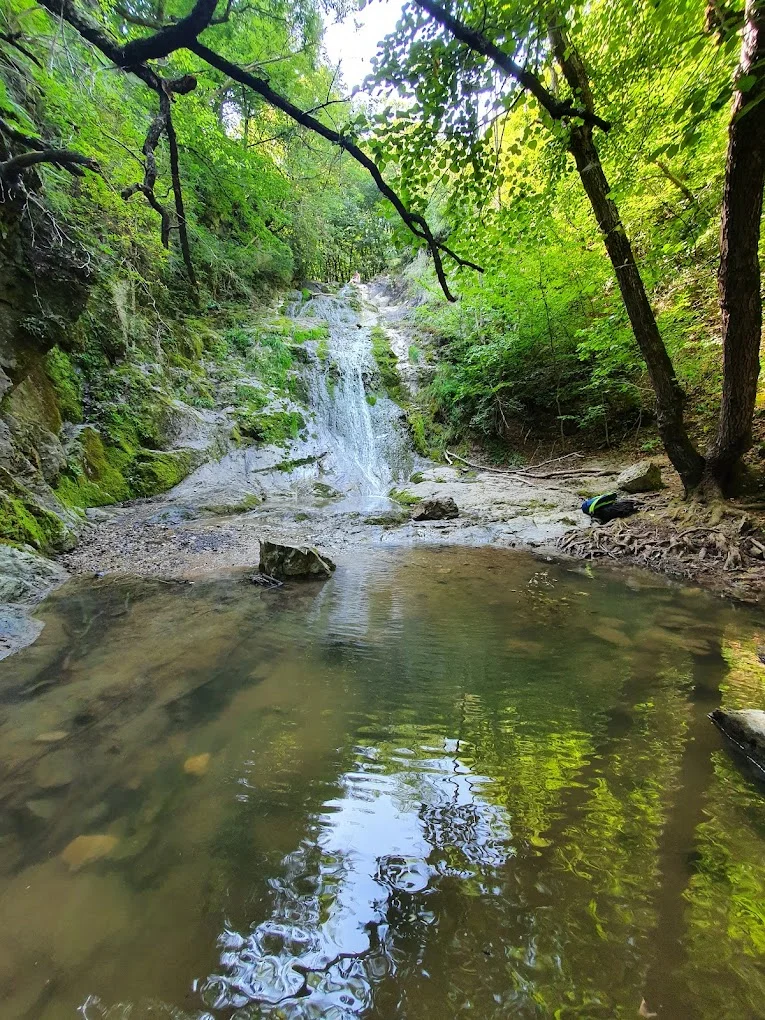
<point x="388" y="518"/>
<point x="55" y="770"/>
<point x="173" y="515"/>
<point x="87" y="849"/>
<point x="436" y="509"/>
<point x="642" y="477"/>
<point x="761" y="653"/>
<point x="197" y="765"/>
<point x="17" y="629"/>
<point x="746" y="728"/>
<point x="283" y="561"/>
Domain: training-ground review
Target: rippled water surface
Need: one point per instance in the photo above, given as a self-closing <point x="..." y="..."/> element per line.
<point x="446" y="783"/>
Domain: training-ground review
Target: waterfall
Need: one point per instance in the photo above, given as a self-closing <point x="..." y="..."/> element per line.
<point x="359" y="426"/>
<point x="355" y="442"/>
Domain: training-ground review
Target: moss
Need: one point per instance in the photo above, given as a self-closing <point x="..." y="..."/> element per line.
<point x="403" y="497"/>
<point x="34" y="399"/>
<point x="322" y="350"/>
<point x="417" y="477"/>
<point x="23" y="520"/>
<point x="277" y="427"/>
<point x="371" y="399"/>
<point x="66" y="383"/>
<point x="96" y="477"/>
<point x="387" y="364"/>
<point x="290" y="465"/>
<point x="416" y="423"/>
<point x="228" y="509"/>
<point x="318" y="334"/>
<point x="155" y="471"/>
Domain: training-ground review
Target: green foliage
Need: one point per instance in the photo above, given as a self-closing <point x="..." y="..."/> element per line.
<point x="541" y="340"/>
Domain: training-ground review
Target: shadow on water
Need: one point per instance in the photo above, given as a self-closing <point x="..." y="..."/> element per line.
<point x="444" y="783"/>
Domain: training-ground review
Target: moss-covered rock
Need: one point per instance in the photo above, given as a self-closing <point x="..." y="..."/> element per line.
<point x="93" y="476"/>
<point x="66" y="382"/>
<point x="387" y="364"/>
<point x="271" y="427"/>
<point x="24" y="521"/>
<point x="157" y="471"/>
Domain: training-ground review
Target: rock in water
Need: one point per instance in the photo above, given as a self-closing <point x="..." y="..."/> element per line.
<point x="86" y="849"/>
<point x="642" y="477"/>
<point x="436" y="510"/>
<point x="284" y="561"/>
<point x="197" y="765"/>
<point x="747" y="728"/>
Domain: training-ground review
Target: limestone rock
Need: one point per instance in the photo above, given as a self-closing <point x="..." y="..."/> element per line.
<point x="290" y="561"/>
<point x="197" y="765"/>
<point x="746" y="728"/>
<point x="87" y="849"/>
<point x="642" y="477"/>
<point x="26" y="577"/>
<point x="436" y="509"/>
<point x="17" y="629"/>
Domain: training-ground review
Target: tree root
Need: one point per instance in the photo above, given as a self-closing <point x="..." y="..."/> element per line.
<point x="732" y="549"/>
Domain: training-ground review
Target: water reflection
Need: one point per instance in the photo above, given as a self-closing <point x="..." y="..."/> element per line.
<point x="446" y="783"/>
<point x="354" y="896"/>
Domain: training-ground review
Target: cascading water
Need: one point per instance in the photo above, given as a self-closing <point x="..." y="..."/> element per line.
<point x="355" y="443"/>
<point x="360" y="429"/>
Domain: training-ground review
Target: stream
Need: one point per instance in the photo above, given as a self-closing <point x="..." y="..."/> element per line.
<point x="453" y="780"/>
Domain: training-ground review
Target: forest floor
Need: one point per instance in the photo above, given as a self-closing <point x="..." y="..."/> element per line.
<point x="720" y="550"/>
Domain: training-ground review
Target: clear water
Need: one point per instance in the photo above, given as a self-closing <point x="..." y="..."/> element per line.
<point x="447" y="783"/>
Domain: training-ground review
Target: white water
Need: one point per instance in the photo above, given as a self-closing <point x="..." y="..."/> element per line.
<point x="357" y="446"/>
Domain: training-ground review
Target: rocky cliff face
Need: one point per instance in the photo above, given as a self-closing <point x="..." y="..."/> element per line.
<point x="92" y="380"/>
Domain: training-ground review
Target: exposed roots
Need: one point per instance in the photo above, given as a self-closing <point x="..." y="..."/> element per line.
<point x="731" y="547"/>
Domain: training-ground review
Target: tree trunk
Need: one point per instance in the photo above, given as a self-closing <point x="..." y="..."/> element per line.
<point x="739" y="275"/>
<point x="670" y="399"/>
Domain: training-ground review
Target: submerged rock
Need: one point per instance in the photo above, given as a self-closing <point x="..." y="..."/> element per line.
<point x="746" y="728"/>
<point x="283" y="561"/>
<point x="436" y="509"/>
<point x="197" y="765"/>
<point x="87" y="849"/>
<point x="642" y="477"/>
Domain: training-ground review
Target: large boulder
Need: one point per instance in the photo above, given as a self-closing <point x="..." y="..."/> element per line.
<point x="746" y="728"/>
<point x="642" y="477"/>
<point x="292" y="561"/>
<point x="436" y="509"/>
<point x="26" y="577"/>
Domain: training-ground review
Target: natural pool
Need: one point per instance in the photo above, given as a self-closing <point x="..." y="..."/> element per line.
<point x="449" y="782"/>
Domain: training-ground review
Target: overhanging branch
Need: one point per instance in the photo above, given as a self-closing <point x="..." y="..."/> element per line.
<point x="416" y="223"/>
<point x="477" y="41"/>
